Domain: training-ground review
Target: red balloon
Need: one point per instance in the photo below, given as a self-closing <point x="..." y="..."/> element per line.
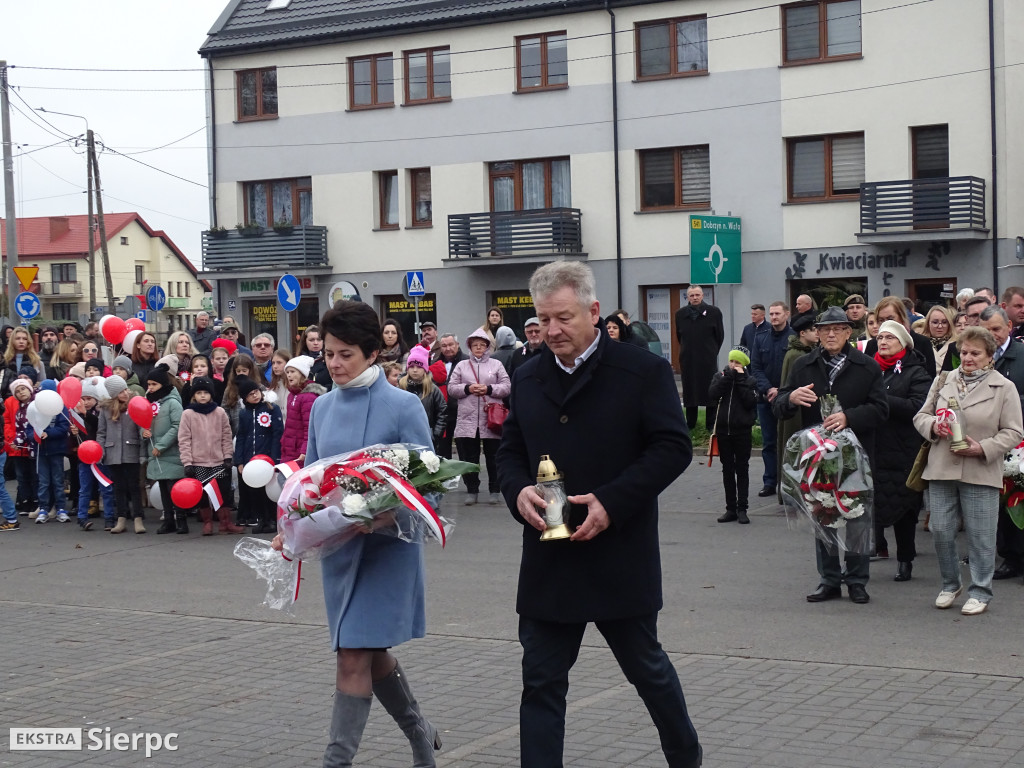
<point x="186" y="493"/>
<point x="90" y="452"/>
<point x="134" y="324"/>
<point x="141" y="411"/>
<point x="70" y="391"/>
<point x="114" y="330"/>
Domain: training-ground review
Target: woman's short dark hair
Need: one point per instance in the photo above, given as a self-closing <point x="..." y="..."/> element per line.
<point x="354" y="322"/>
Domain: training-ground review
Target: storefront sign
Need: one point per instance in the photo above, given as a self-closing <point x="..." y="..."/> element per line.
<point x="267" y="286"/>
<point x="862" y="262"/>
<point x="507" y="301"/>
<point x="264" y="313"/>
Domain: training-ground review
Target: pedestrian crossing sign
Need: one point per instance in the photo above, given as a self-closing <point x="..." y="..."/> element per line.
<point x="414" y="280"/>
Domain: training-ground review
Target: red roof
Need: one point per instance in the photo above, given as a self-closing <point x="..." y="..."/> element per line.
<point x="47" y="237"/>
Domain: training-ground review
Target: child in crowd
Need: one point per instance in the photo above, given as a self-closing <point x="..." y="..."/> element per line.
<point x="123" y="367"/>
<point x="200" y="366"/>
<point x="239" y="365"/>
<point x="9" y="521"/>
<point x="53" y="444"/>
<point x="301" y="394"/>
<point x="733" y="390"/>
<point x="417" y="382"/>
<point x="279" y="382"/>
<point x="219" y="357"/>
<point x="393" y="372"/>
<point x="259" y="432"/>
<point x="93" y="391"/>
<point x="204" y="440"/>
<point x="164" y="466"/>
<point x="123" y="450"/>
<point x="21" y="448"/>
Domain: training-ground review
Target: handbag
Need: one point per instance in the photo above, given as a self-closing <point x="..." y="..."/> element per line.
<point x="915" y="480"/>
<point x="496" y="412"/>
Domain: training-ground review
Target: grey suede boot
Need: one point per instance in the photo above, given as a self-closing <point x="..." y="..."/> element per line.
<point x="394" y="693"/>
<point x="347" y="723"/>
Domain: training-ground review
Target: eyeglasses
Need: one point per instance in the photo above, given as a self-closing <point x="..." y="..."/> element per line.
<point x="832" y="330"/>
<point x="886" y="337"/>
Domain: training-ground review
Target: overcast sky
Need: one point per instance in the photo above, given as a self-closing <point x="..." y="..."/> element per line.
<point x="129" y="111"/>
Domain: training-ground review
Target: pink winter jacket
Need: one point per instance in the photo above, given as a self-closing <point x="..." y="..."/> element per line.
<point x="472" y="416"/>
<point x="204" y="441"/>
<point x="296" y="423"/>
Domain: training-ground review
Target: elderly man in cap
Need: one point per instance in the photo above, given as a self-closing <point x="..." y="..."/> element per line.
<point x="230" y="332"/>
<point x="837" y="368"/>
<point x="857" y="313"/>
<point x="534" y="345"/>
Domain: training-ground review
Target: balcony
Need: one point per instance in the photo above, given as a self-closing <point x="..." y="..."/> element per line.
<point x="266" y="249"/>
<point x="507" y="237"/>
<point x="48" y="290"/>
<point x="948" y="208"/>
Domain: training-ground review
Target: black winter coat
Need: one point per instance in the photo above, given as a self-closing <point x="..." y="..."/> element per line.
<point x="700" y="333"/>
<point x="1011" y="365"/>
<point x="737" y="402"/>
<point x="434" y="405"/>
<point x="897" y="441"/>
<point x="770" y="347"/>
<point x="859" y="389"/>
<point x="625" y="455"/>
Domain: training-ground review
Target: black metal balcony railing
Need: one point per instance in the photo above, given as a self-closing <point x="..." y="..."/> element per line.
<point x="515" y="233"/>
<point x="956" y="202"/>
<point x="302" y="246"/>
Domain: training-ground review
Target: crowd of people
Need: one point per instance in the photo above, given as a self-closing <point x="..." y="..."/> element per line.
<point x="951" y="378"/>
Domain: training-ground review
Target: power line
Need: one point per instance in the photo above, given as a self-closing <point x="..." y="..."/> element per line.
<point x="154" y="210"/>
<point x="54" y="127"/>
<point x="72" y="183"/>
<point x="164" y="146"/>
<point x="153" y="167"/>
<point x="40" y="149"/>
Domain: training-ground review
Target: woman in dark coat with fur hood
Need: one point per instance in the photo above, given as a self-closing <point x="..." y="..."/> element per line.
<point x="896" y="443"/>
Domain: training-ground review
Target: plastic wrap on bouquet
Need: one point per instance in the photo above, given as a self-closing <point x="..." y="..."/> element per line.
<point x="826" y="480"/>
<point x="282" y="575"/>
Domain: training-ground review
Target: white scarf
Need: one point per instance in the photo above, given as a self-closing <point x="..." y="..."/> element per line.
<point x="364" y="379"/>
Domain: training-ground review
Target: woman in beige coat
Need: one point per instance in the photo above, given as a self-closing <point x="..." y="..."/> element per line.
<point x="967" y="481"/>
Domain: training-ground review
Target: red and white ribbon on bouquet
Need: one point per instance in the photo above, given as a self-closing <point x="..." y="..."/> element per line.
<point x="288" y="468"/>
<point x="814" y="454"/>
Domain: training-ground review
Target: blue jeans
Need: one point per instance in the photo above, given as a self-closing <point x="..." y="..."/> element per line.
<point x="86" y="483"/>
<point x="6" y="502"/>
<point x="51" y="482"/>
<point x="769" y="436"/>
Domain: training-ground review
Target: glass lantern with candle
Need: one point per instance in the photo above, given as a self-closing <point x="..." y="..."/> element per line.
<point x="551" y="488"/>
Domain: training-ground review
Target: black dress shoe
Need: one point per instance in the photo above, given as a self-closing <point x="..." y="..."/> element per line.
<point x="728" y="517"/>
<point x="741" y="517"/>
<point x="823" y="593"/>
<point x="858" y="594"/>
<point x="903" y="572"/>
<point x="1007" y="571"/>
<point x="765" y="492"/>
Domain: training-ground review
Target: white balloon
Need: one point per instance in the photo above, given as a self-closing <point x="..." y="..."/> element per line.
<point x="48" y="403"/>
<point x="275" y="486"/>
<point x="256" y="474"/>
<point x="103" y="321"/>
<point x="155" y="499"/>
<point x="128" y="344"/>
<point x="38" y="421"/>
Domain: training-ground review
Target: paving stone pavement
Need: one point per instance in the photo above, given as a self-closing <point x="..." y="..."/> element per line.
<point x="165" y="634"/>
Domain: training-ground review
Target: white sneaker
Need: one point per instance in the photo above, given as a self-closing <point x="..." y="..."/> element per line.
<point x="973" y="607"/>
<point x="33" y="514"/>
<point x="946" y="599"/>
<point x="41" y="518"/>
<point x="62" y="517"/>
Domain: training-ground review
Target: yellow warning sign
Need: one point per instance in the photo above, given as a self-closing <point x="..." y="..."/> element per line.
<point x="26" y="276"/>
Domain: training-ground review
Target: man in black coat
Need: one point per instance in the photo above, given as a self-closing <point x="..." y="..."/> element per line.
<point x="534" y="345"/>
<point x="615" y="462"/>
<point x="766" y="356"/>
<point x="751" y="329"/>
<point x="700" y="333"/>
<point x="837" y="368"/>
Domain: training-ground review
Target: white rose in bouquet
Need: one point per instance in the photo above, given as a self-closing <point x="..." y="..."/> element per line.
<point x="355" y="506"/>
<point x="430" y="461"/>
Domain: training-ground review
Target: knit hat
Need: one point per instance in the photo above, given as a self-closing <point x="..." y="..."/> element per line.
<point x="21" y="383"/>
<point x="245" y="385"/>
<point x="161" y="375"/>
<point x="202" y="384"/>
<point x="739" y="355"/>
<point x="49" y="384"/>
<point x="226" y="344"/>
<point x="302" y="364"/>
<point x="96" y="364"/>
<point x="418" y="355"/>
<point x="77" y="370"/>
<point x="94" y="387"/>
<point x="114" y="385"/>
<point x="897" y="330"/>
<point x="30" y="372"/>
<point x="122" y="361"/>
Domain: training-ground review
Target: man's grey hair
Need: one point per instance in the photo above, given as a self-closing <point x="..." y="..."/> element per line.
<point x="990" y="312"/>
<point x="444" y="336"/>
<point x="564" y="274"/>
<point x="964" y="295"/>
<point x="204" y="313"/>
<point x="265" y="336"/>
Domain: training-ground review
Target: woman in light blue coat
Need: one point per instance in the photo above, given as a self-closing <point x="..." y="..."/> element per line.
<point x="373" y="585"/>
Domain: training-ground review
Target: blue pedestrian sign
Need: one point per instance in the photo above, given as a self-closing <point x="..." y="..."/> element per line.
<point x="156" y="298"/>
<point x="414" y="280"/>
<point x="288" y="292"/>
<point x="27" y="305"/>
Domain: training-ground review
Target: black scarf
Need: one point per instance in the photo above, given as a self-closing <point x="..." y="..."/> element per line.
<point x="160" y="394"/>
<point x="203" y="408"/>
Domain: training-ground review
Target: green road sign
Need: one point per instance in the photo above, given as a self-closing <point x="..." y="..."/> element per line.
<point x="715" y="250"/>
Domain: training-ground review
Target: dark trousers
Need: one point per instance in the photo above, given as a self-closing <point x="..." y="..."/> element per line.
<point x="1009" y="539"/>
<point x="165" y="496"/>
<point x="127" y="493"/>
<point x="73" y="481"/>
<point x="857" y="566"/>
<point x="254" y="505"/>
<point x="692" y="412"/>
<point x="444" y="443"/>
<point x="904" y="531"/>
<point x="549" y="652"/>
<point x="28" y="493"/>
<point x="734" y="451"/>
<point x="469" y="450"/>
<point x="769" y="436"/>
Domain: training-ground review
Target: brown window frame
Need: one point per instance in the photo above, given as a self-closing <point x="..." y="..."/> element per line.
<point x="673" y="49"/>
<point x="297" y="188"/>
<point x="677" y="180"/>
<point x="517" y="178"/>
<point x="375" y="103"/>
<point x="382" y="203"/>
<point x="260" y="114"/>
<point x="822" y="35"/>
<point x="829" y="196"/>
<point x="544" y="84"/>
<point x="431" y="97"/>
<point x="414" y="174"/>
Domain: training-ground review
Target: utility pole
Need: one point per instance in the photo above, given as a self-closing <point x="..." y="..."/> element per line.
<point x="11" y="214"/>
<point x="95" y="175"/>
<point x="92" y="243"/>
